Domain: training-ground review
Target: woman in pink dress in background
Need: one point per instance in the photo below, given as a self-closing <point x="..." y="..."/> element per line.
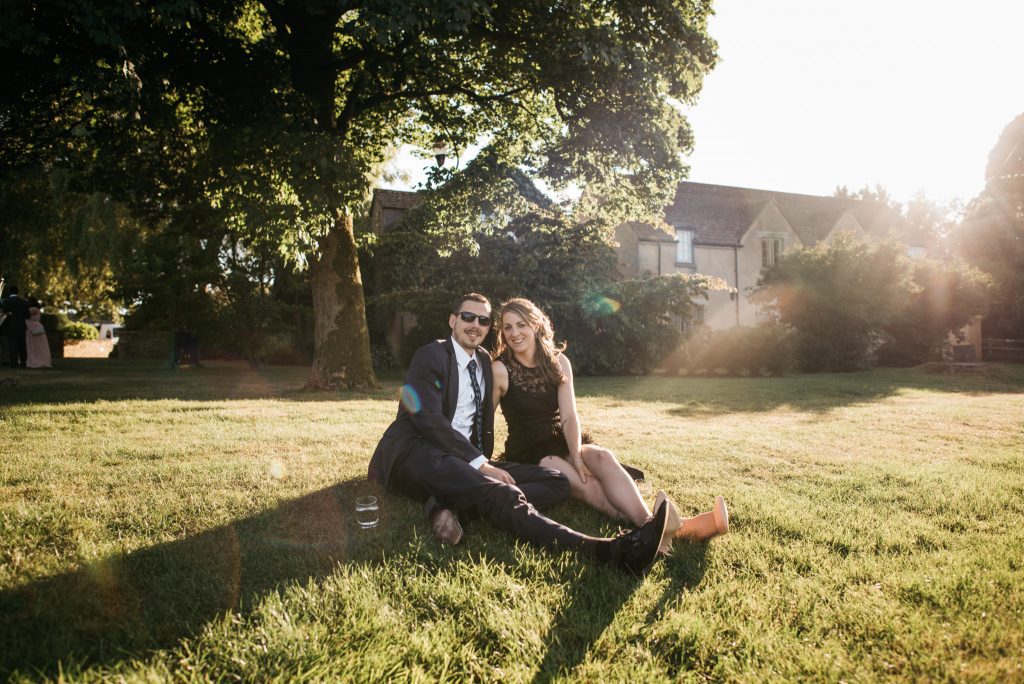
<point x="37" y="345"/>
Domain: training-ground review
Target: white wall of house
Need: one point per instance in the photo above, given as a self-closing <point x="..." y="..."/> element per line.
<point x="770" y="224"/>
<point x="628" y="250"/>
<point x="720" y="262"/>
<point x="650" y="253"/>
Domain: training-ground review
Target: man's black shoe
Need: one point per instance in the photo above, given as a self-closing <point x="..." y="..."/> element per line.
<point x="636" y="550"/>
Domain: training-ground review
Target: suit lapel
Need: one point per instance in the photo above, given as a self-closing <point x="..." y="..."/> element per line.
<point x="451" y="394"/>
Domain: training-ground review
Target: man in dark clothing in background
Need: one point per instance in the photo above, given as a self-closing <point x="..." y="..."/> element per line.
<point x="15" y="326"/>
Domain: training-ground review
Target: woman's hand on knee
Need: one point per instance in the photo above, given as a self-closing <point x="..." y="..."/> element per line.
<point x="581" y="467"/>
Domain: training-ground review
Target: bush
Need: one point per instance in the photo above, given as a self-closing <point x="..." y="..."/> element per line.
<point x="948" y="294"/>
<point x="839" y="298"/>
<point x="279" y="349"/>
<point x="52" y="322"/>
<point x="629" y="328"/>
<point x="382" y="358"/>
<point x="75" y="331"/>
<point x="625" y="328"/>
<point x="754" y="351"/>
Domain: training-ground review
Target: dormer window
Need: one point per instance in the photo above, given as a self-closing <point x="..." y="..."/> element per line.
<point x="684" y="246"/>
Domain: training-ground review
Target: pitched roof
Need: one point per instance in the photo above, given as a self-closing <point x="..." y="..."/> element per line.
<point x="721" y="214"/>
<point x="648" y="233"/>
<point x="396" y="199"/>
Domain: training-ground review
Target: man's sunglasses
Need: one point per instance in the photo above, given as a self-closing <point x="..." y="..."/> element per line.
<point x="470" y="317"/>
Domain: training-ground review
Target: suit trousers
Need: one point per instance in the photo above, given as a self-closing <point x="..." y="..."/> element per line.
<point x="17" y="346"/>
<point x="428" y="471"/>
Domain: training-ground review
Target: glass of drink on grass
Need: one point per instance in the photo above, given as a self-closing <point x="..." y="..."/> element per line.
<point x="367" y="511"/>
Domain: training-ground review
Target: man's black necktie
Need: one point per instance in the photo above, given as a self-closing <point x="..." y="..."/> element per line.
<point x="478" y="412"/>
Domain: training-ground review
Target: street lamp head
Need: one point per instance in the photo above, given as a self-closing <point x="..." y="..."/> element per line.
<point x="439" y="151"/>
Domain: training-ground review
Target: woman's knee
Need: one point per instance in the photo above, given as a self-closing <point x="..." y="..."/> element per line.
<point x="601" y="457"/>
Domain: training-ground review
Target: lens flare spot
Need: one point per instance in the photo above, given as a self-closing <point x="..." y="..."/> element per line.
<point x="599" y="305"/>
<point x="276" y="469"/>
<point x="410" y="399"/>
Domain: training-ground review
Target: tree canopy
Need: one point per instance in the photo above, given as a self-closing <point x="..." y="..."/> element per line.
<point x="275" y="116"/>
<point x="991" y="236"/>
<point x="1004" y="172"/>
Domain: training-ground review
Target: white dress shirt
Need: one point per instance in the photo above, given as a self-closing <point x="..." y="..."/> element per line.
<point x="464" y="410"/>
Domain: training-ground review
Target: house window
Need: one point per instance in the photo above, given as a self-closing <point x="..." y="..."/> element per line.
<point x="684" y="246"/>
<point x="771" y="251"/>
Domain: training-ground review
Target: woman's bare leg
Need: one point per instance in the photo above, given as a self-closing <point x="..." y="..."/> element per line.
<point x="618" y="486"/>
<point x="590" y="492"/>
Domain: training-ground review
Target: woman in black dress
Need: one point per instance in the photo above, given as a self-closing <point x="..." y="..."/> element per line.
<point x="533" y="383"/>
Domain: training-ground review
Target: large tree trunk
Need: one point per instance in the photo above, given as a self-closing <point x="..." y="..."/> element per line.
<point x="341" y="338"/>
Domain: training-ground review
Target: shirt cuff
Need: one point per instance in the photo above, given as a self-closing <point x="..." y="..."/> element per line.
<point x="478" y="461"/>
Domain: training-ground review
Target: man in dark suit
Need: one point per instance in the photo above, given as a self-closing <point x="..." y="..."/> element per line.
<point x="437" y="450"/>
<point x="15" y="327"/>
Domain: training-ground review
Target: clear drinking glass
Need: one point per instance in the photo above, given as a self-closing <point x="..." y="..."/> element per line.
<point x="367" y="511"/>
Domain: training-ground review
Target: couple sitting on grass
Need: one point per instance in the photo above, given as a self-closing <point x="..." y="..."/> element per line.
<point x="437" y="450"/>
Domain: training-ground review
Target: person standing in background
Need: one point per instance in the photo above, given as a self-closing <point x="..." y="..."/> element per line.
<point x="37" y="346"/>
<point x="15" y="326"/>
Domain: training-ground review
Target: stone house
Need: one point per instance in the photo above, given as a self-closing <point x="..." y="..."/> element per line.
<point x="734" y="233"/>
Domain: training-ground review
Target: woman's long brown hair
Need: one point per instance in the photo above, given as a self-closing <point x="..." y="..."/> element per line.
<point x="546" y="352"/>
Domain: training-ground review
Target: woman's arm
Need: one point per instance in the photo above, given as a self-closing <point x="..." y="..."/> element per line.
<point x="499" y="378"/>
<point x="569" y="417"/>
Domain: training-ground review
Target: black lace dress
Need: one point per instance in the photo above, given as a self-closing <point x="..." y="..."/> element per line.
<point x="530" y="407"/>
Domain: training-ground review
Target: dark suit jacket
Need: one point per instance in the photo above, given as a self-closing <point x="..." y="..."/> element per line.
<point x="18" y="310"/>
<point x="429" y="399"/>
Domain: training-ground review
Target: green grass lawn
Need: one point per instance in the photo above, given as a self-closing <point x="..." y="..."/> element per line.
<point x="197" y="525"/>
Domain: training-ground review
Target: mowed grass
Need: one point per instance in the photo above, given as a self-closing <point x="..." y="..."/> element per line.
<point x="197" y="525"/>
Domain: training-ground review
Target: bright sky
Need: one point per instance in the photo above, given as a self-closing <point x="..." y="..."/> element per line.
<point x="812" y="94"/>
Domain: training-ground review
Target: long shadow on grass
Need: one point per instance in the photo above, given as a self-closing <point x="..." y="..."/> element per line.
<point x="594" y="604"/>
<point x="818" y="393"/>
<point x="127" y="605"/>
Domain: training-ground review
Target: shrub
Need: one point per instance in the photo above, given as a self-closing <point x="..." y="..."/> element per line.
<point x="624" y="328"/>
<point x="279" y="349"/>
<point x="52" y="322"/>
<point x="75" y="331"/>
<point x="629" y="328"/>
<point x="839" y="298"/>
<point x="382" y="358"/>
<point x="948" y="294"/>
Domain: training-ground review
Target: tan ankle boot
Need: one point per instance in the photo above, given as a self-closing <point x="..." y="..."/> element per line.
<point x="706" y="525"/>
